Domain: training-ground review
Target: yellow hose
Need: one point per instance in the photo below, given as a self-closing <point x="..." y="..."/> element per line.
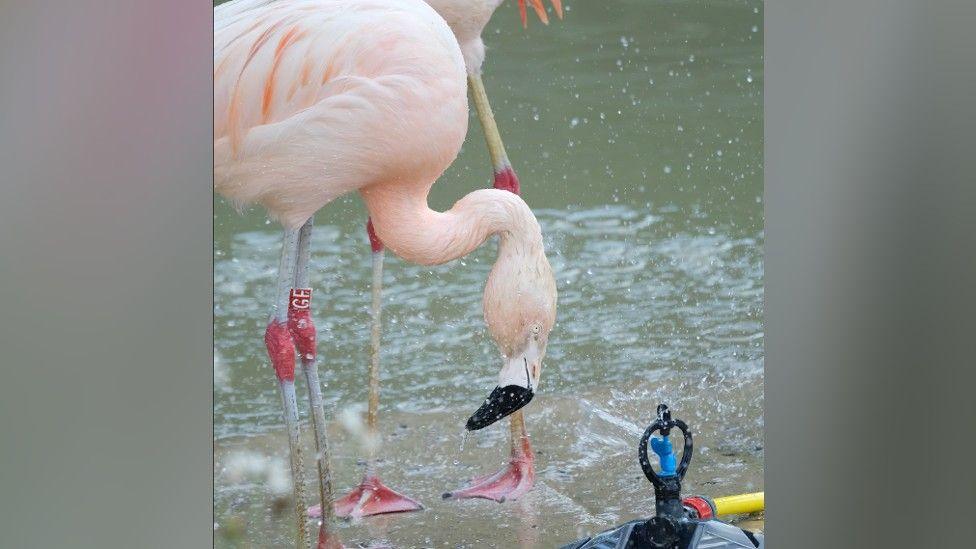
<point x="741" y="504"/>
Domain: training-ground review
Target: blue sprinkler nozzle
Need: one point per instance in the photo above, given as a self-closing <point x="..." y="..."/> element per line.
<point x="662" y="447"/>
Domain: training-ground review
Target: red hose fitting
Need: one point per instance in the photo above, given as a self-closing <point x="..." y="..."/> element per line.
<point x="699" y="506"/>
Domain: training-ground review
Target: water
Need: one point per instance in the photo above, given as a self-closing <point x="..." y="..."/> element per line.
<point x="636" y="128"/>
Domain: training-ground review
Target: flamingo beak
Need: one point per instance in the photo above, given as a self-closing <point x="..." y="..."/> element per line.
<point x="501" y="402"/>
<point x="517" y="383"/>
<point x="540" y="10"/>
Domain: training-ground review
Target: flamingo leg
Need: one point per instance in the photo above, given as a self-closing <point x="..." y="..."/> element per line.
<point x="302" y="329"/>
<point x="372" y="497"/>
<point x="504" y="174"/>
<point x="281" y="350"/>
<point x="513" y="480"/>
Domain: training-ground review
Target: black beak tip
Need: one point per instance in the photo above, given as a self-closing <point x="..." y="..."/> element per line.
<point x="474" y="424"/>
<point x="501" y="402"/>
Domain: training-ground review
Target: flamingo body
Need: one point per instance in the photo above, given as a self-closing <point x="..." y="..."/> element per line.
<point x="314" y="99"/>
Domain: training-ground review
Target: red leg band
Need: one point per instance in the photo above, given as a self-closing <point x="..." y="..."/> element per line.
<point x="374" y="241"/>
<point x="281" y="350"/>
<point x="300" y="323"/>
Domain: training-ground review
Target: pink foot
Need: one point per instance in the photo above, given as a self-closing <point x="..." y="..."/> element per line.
<point x="371" y="497"/>
<point x="510" y="483"/>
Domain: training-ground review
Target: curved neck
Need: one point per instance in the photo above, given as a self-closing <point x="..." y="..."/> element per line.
<point x="413" y="231"/>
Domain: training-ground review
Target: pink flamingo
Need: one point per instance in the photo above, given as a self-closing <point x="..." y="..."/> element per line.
<point x="314" y="99"/>
<point x="467" y="19"/>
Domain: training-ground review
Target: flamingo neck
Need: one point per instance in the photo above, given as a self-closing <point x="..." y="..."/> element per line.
<point x="416" y="233"/>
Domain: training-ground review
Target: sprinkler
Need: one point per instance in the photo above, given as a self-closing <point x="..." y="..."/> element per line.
<point x="677" y="523"/>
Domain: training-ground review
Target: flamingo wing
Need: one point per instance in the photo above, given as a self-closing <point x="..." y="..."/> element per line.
<point x="317" y="98"/>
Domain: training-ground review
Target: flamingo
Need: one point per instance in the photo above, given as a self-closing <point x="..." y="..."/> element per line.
<point x="467" y="19"/>
<point x="315" y="99"/>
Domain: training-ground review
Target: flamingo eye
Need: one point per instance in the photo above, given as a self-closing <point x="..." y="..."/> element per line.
<point x="536" y="329"/>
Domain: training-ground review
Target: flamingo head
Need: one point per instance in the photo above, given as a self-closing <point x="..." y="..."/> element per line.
<point x="468" y="18"/>
<point x="520" y="309"/>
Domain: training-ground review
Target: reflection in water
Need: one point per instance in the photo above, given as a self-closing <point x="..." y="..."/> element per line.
<point x="636" y="128"/>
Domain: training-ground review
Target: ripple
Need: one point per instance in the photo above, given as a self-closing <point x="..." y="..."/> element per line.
<point x="637" y="294"/>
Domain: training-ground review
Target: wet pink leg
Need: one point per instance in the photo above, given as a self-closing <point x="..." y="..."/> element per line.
<point x="372" y="497"/>
<point x="514" y="480"/>
<point x="281" y="351"/>
<point x="295" y="329"/>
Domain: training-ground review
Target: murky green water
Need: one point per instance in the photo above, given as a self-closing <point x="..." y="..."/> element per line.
<point x="636" y="128"/>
